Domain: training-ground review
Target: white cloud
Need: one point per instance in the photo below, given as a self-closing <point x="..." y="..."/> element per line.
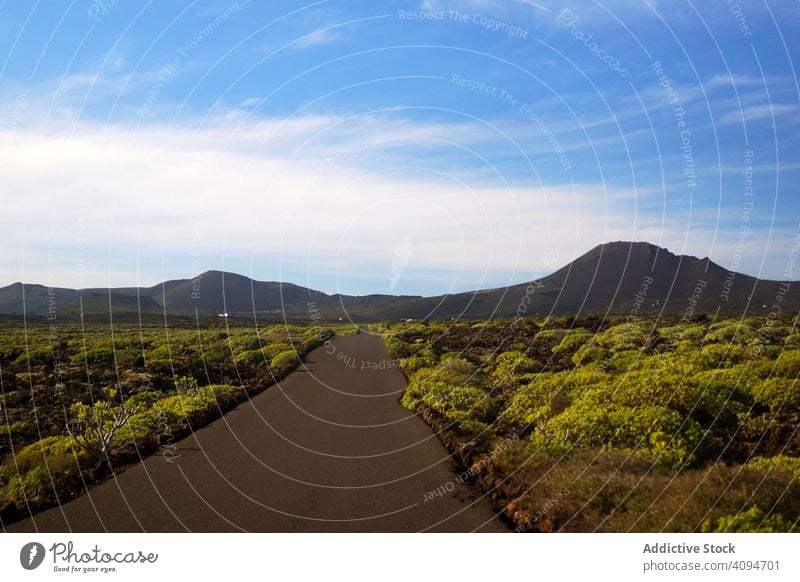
<point x="537" y="7"/>
<point x="755" y="112"/>
<point x="184" y="191"/>
<point x="319" y="37"/>
<point x="117" y="206"/>
<point x="729" y="81"/>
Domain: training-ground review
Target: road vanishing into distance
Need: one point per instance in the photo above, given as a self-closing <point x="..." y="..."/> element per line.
<point x="328" y="449"/>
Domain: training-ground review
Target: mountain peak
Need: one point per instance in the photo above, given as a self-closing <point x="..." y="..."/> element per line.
<point x="623" y="277"/>
<point x="627" y="245"/>
<point x="218" y="273"/>
<point x="638" y="248"/>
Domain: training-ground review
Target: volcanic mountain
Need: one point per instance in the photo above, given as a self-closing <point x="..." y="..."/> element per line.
<point x="612" y="278"/>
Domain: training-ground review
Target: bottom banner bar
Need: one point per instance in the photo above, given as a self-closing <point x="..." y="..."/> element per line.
<point x="355" y="557"/>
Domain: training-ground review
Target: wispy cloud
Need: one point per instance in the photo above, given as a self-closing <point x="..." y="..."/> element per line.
<point x="166" y="194"/>
<point x="732" y="81"/>
<point x="153" y="192"/>
<point x="320" y="37"/>
<point x="756" y="112"/>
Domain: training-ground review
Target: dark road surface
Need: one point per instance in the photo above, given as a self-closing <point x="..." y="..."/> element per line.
<point x="330" y="448"/>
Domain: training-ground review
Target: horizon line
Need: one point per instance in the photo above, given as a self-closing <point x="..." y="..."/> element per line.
<point x="331" y="294"/>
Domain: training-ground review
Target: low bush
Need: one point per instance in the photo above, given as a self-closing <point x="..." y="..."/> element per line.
<point x="510" y="366"/>
<point x="778" y="393"/>
<point x="96" y="356"/>
<point x="788" y="365"/>
<point x="573" y="340"/>
<point x="272" y="350"/>
<point x="285" y="361"/>
<point x="59" y="454"/>
<point x="753" y="520"/>
<point x="180" y="407"/>
<point x="251" y="358"/>
<point x="35" y="357"/>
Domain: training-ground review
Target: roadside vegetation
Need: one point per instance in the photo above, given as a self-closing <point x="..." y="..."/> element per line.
<point x="598" y="425"/>
<point x="78" y="403"/>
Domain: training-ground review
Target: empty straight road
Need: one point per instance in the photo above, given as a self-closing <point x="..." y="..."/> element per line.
<point x="328" y="449"/>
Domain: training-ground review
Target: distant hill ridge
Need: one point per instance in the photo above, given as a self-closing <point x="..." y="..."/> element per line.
<point x="616" y="278"/>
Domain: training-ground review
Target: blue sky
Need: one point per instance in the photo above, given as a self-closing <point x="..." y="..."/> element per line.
<point x="404" y="147"/>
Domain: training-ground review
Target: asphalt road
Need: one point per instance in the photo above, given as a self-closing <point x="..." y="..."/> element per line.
<point x="328" y="449"/>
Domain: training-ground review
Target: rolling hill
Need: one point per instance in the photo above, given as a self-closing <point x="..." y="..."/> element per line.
<point x="615" y="278"/>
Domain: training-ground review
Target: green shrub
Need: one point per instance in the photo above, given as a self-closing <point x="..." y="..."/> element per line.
<point x="245" y="343"/>
<point x="572" y="341"/>
<point x="473" y="427"/>
<point x="36" y="357"/>
<point x="741" y="377"/>
<point x="216" y="355"/>
<point x="460" y="403"/>
<point x="96" y="356"/>
<point x="25" y="486"/>
<point x="792" y="340"/>
<point x="626" y="336"/>
<point x="716" y="393"/>
<point x="778" y="393"/>
<point x="453" y="372"/>
<point x="427" y="358"/>
<point x="187" y="386"/>
<point x="162" y="353"/>
<point x="400" y="348"/>
<point x="589" y="353"/>
<point x="538" y="401"/>
<point x="780" y="463"/>
<point x="138" y="429"/>
<point x="59" y="454"/>
<point x="36" y="482"/>
<point x="509" y="366"/>
<point x="19" y="428"/>
<point x="250" y="358"/>
<point x="310" y="344"/>
<point x="417" y="388"/>
<point x="722" y="355"/>
<point x="6" y="475"/>
<point x="127" y="357"/>
<point x="788" y="364"/>
<point x="754" y="520"/>
<point x="181" y="407"/>
<point x="627" y="360"/>
<point x="736" y="333"/>
<point x="285" y="361"/>
<point x="592" y="421"/>
<point x="552" y="334"/>
<point x="547" y="394"/>
<point x="272" y="350"/>
<point x="683" y="332"/>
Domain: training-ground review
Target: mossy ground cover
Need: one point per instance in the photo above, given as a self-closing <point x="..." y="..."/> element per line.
<point x="621" y="425"/>
<point x="79" y="401"/>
